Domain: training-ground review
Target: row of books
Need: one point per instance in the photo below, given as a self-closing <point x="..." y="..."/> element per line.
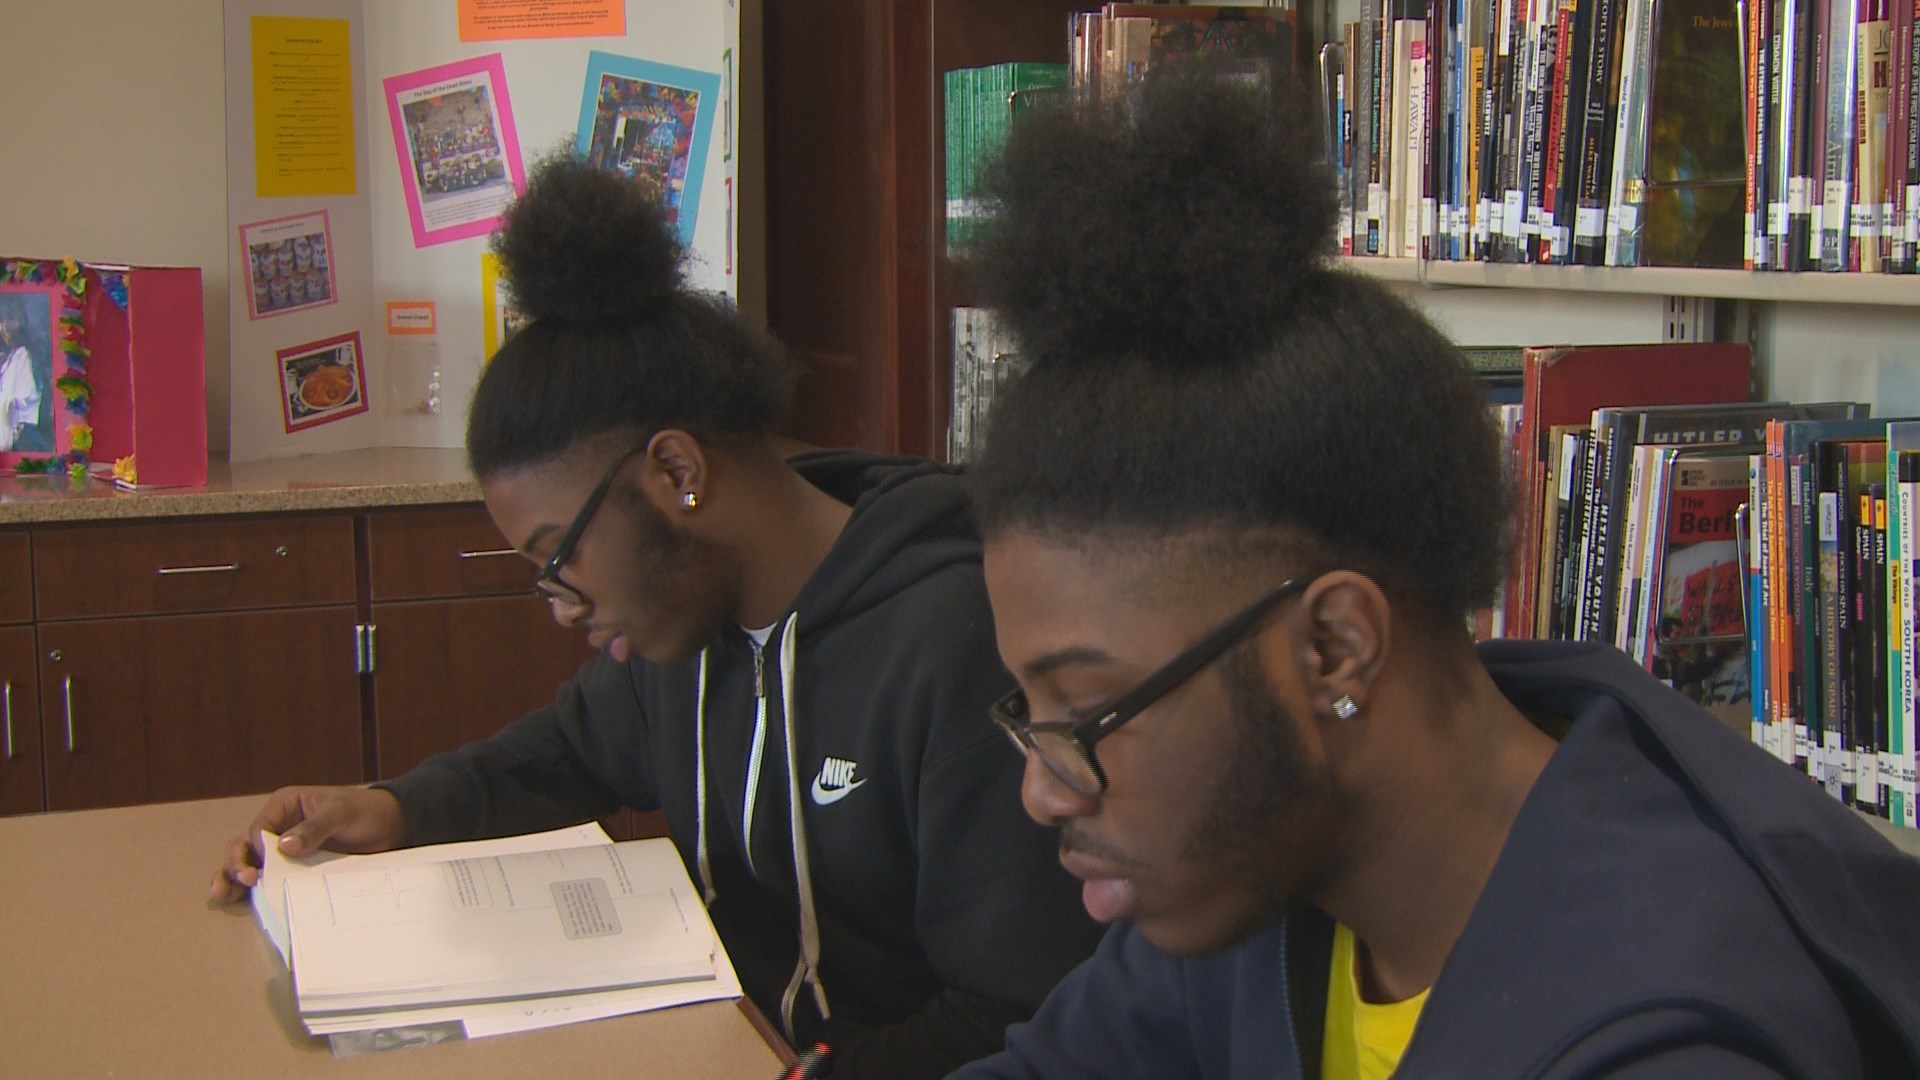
<point x="1629" y="132"/>
<point x="1752" y="554"/>
<point x="1120" y="42"/>
<point x="1831" y="573"/>
<point x="1570" y="472"/>
<point x="980" y="105"/>
<point x="1105" y="49"/>
<point x="984" y="359"/>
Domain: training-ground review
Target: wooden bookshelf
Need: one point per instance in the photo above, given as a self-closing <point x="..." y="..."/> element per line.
<point x="1882" y="290"/>
<point x="855" y="191"/>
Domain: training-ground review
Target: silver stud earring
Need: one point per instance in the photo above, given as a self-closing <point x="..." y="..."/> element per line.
<point x="1345" y="707"/>
<point x="690" y="500"/>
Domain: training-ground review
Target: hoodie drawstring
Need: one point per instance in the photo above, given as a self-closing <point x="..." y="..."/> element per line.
<point x="807" y="971"/>
<point x="702" y="865"/>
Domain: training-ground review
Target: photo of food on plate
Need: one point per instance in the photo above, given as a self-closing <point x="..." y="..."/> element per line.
<point x="322" y="381"/>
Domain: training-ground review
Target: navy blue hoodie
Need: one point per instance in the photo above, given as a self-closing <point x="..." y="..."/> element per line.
<point x="909" y="911"/>
<point x="1671" y="902"/>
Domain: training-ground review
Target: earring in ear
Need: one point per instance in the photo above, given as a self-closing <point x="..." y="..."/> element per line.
<point x="1345" y="707"/>
<point x="690" y="500"/>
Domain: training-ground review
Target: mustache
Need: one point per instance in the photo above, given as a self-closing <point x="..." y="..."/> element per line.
<point x="1075" y="840"/>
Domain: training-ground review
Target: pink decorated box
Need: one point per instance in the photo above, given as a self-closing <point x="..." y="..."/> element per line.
<point x="103" y="363"/>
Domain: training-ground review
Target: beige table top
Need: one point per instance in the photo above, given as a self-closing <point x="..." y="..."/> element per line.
<point x="113" y="963"/>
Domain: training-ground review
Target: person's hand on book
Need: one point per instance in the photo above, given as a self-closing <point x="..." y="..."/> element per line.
<point x="355" y="820"/>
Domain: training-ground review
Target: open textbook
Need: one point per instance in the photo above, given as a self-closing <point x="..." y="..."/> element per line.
<point x="498" y="935"/>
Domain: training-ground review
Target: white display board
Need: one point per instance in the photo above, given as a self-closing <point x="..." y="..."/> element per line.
<point x="403" y="261"/>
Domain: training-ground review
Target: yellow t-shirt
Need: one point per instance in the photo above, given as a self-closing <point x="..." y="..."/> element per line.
<point x="1364" y="1041"/>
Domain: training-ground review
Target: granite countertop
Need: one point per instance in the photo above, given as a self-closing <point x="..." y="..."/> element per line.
<point x="383" y="476"/>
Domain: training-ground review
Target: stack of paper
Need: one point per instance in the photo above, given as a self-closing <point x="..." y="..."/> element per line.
<point x="498" y="935"/>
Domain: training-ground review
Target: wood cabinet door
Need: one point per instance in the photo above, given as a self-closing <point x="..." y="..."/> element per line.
<point x="171" y="707"/>
<point x="447" y="672"/>
<point x="20" y="786"/>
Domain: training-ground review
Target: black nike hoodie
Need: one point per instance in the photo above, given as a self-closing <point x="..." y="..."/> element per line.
<point x="839" y="793"/>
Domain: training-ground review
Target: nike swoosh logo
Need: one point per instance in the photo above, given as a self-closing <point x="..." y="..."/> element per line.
<point x="823" y="796"/>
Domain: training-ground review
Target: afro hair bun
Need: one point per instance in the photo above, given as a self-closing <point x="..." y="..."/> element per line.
<point x="586" y="245"/>
<point x="1172" y="223"/>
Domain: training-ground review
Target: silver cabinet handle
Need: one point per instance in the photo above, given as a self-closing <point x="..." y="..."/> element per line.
<point x="490" y="553"/>
<point x="66" y="690"/>
<point x="6" y="703"/>
<point x="222" y="568"/>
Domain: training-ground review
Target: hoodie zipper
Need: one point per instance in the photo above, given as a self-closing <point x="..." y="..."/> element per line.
<point x="754" y="757"/>
<point x="1286" y="999"/>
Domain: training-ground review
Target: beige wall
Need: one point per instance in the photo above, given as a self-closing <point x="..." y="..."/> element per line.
<point x="122" y="158"/>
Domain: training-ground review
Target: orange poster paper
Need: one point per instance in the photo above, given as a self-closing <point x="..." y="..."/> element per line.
<point x="504" y="20"/>
<point x="410" y="317"/>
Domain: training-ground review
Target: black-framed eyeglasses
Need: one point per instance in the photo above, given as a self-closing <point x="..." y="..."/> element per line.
<point x="548" y="583"/>
<point x="1065" y="747"/>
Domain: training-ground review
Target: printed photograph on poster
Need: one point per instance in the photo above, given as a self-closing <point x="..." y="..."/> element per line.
<point x="456" y="147"/>
<point x="289" y="265"/>
<point x="652" y="123"/>
<point x="28" y="318"/>
<point x="503" y="320"/>
<point x="322" y="381"/>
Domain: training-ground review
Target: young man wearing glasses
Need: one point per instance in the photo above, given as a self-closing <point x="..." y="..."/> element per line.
<point x="797" y="662"/>
<point x="1236" y="512"/>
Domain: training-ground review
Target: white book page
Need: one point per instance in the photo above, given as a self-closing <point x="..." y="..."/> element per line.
<point x="487" y="928"/>
<point x="276" y="869"/>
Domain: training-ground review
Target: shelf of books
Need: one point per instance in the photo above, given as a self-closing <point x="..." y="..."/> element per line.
<point x="1769" y="136"/>
<point x="1759" y="556"/>
<point x="1885" y="290"/>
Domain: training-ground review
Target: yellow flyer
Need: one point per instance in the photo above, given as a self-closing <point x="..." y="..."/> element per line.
<point x="303" y="141"/>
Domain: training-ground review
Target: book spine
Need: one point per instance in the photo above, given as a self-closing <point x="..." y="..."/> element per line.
<point x="1759" y="694"/>
<point x="1652" y="560"/>
<point x="1546" y="29"/>
<point x="1902" y="732"/>
<point x="1777" y="657"/>
<point x="1803" y="553"/>
<point x="1603" y="558"/>
<point x="1629" y="146"/>
<point x="1507" y="50"/>
<point x="1485" y="228"/>
<point x="1586" y="620"/>
<point x="1623" y="621"/>
<point x="1893" y="223"/>
<point x="952" y="147"/>
<point x="1892" y="650"/>
<point x="1871" y="737"/>
<point x="1910" y="71"/>
<point x="1379" y="142"/>
<point x="1412" y="156"/>
<point x="1776" y="127"/>
<point x="1589" y="230"/>
<point x="1837" y="177"/>
<point x="1473" y="109"/>
<point x="1356" y="148"/>
<point x="1566" y="585"/>
<point x="1828" y="721"/>
<point x="1871" y="79"/>
<point x="1779" y="172"/>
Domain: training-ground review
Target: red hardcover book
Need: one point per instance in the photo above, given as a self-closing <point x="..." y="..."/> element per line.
<point x="1563" y="385"/>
